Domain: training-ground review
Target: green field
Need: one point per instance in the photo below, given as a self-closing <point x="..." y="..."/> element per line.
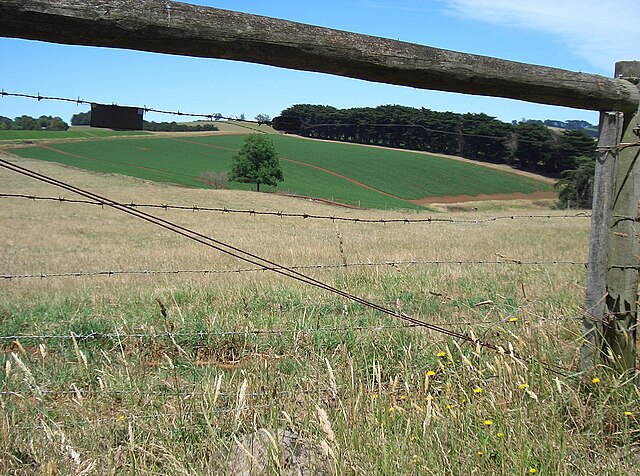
<point x="393" y="177"/>
<point x="73" y="133"/>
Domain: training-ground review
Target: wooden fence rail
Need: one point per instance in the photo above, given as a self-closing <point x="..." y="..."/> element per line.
<point x="183" y="29"/>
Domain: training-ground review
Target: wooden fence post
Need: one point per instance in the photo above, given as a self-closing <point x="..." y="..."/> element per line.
<point x="603" y="194"/>
<point x="610" y="318"/>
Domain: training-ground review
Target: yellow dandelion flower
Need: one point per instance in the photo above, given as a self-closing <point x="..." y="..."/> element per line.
<point x="628" y="413"/>
<point x="441" y="354"/>
<point x="524" y="386"/>
<point x="533" y="470"/>
<point x="430" y="373"/>
<point x="477" y="390"/>
<point x="403" y="397"/>
<point x="374" y="396"/>
<point x="413" y="438"/>
<point x="120" y="419"/>
<point x="488" y="422"/>
<point x="480" y="453"/>
<point x="595" y="380"/>
<point x="513" y="319"/>
<point x="390" y="409"/>
<point x="500" y="434"/>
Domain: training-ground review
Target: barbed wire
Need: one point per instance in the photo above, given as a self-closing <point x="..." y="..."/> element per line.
<point x="172" y="335"/>
<point x="618" y="147"/>
<point x="304" y="125"/>
<point x="281" y="214"/>
<point x="393" y="264"/>
<point x="78" y="101"/>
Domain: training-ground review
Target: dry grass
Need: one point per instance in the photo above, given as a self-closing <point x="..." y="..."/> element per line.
<point x="52" y="237"/>
<point x="385" y="401"/>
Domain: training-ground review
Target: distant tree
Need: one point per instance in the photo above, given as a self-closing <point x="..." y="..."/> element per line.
<point x="57" y="124"/>
<point x="578" y="125"/>
<point x="43" y="121"/>
<point x="81" y="119"/>
<point x="569" y="145"/>
<point x="25" y="123"/>
<point x="527" y="144"/>
<point x="241" y="118"/>
<point x="177" y="127"/>
<point x="257" y="162"/>
<point x="576" y="185"/>
<point x="5" y="123"/>
<point x="534" y="147"/>
<point x="263" y="119"/>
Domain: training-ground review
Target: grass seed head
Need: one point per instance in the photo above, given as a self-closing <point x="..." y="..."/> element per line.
<point x="325" y="424"/>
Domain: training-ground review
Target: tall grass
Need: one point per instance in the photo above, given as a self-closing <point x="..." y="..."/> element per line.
<point x="171" y="390"/>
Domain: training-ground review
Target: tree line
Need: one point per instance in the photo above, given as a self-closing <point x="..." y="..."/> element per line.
<point x="28" y="123"/>
<point x="526" y="145"/>
<point x="568" y="154"/>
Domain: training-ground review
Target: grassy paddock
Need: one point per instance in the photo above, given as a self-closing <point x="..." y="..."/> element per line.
<point x="394" y="177"/>
<point x="177" y="387"/>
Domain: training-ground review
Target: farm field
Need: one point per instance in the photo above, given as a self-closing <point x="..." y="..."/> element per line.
<point x="72" y="133"/>
<point x="352" y="174"/>
<point x="128" y="349"/>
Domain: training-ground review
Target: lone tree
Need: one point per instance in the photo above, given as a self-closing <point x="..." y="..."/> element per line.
<point x="256" y="162"/>
<point x="263" y="119"/>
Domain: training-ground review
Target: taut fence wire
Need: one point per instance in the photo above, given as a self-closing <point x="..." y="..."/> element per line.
<point x="304" y="126"/>
<point x="78" y="101"/>
<point x="282" y="214"/>
<point x="393" y="264"/>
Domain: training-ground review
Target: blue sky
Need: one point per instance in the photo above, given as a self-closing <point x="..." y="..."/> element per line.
<point x="578" y="35"/>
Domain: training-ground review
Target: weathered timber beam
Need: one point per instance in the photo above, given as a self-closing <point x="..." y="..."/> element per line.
<point x="182" y="29"/>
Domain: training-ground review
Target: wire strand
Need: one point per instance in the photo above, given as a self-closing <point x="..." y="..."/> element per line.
<point x="281" y="214"/>
<point x="79" y="101"/>
<point x="393" y="264"/>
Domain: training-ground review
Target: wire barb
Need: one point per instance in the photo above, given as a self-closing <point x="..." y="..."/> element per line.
<point x="146" y="109"/>
<point x="281" y="214"/>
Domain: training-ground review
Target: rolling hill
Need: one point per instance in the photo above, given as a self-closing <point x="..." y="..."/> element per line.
<point x="347" y="173"/>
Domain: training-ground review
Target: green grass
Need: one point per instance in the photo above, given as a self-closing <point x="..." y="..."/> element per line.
<point x="398" y="401"/>
<point x="175" y="386"/>
<point x="407" y="175"/>
<point x="394" y="176"/>
<point x="72" y="133"/>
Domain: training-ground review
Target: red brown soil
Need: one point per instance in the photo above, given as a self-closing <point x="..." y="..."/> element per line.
<point x="484" y="197"/>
